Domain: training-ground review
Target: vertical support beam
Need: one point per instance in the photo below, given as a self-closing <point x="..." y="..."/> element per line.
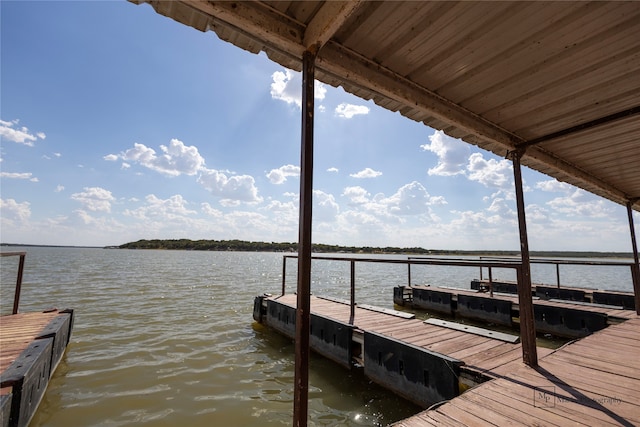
<point x="635" y="270"/>
<point x="301" y="376"/>
<point x="525" y="301"/>
<point x="352" y="314"/>
<point x="490" y="283"/>
<point x="409" y="274"/>
<point x="16" y="296"/>
<point x="284" y="273"/>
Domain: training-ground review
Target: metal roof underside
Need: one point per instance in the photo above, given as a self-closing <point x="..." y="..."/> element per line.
<point x="559" y="78"/>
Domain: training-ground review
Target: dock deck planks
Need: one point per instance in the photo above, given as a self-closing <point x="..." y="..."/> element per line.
<point x="17" y="331"/>
<point x="481" y="354"/>
<point x="586" y="382"/>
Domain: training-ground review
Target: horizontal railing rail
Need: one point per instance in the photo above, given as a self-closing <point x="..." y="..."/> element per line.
<point x="452" y="262"/>
<point x="559" y="262"/>
<point x="16" y="295"/>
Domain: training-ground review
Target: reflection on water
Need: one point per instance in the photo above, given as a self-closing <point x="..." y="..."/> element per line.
<point x="167" y="337"/>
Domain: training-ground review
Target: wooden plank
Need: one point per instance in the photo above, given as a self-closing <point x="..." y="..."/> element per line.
<point x="571" y="412"/>
<point x="498" y="395"/>
<point x="474" y="330"/>
<point x="509" y="407"/>
<point x="470" y="351"/>
<point x="627" y="387"/>
<point x="401" y="314"/>
<point x="482" y="413"/>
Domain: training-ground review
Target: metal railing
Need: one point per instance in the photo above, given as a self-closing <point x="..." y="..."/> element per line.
<point x="559" y="262"/>
<point x="16" y="295"/>
<point x="451" y="262"/>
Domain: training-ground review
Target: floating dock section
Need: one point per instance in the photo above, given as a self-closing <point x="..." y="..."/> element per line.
<point x="31" y="346"/>
<point x="476" y="376"/>
<point x="423" y="361"/>
<point x="564" y="312"/>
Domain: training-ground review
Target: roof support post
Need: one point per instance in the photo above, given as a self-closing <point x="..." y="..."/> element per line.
<point x="301" y="377"/>
<point x="635" y="270"/>
<point x="525" y="301"/>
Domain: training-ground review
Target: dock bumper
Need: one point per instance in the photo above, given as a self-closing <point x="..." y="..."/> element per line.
<point x="329" y="338"/>
<point x="485" y="308"/>
<point x="28" y="376"/>
<point x="568" y="322"/>
<point x="431" y="299"/>
<point x="419" y="375"/>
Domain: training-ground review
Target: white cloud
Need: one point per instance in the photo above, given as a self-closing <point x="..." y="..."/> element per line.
<point x="554" y="186"/>
<point x="232" y="190"/>
<point x="13" y="211"/>
<point x="287" y="87"/>
<point x="173" y="208"/>
<point x="452" y="154"/>
<point x="95" y="199"/>
<point x="176" y="158"/>
<point x="411" y="199"/>
<point x="279" y="176"/>
<point x="210" y="210"/>
<point x="366" y="173"/>
<point x="19" y="135"/>
<point x="325" y="207"/>
<point x="490" y="173"/>
<point x="580" y="203"/>
<point x="59" y="188"/>
<point x="347" y="111"/>
<point x="332" y="170"/>
<point x="357" y="195"/>
<point x="19" y="175"/>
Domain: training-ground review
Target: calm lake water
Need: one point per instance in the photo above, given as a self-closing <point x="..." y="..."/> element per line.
<point x="163" y="338"/>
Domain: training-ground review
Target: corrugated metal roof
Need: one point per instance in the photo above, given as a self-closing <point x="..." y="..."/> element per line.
<point x="560" y="78"/>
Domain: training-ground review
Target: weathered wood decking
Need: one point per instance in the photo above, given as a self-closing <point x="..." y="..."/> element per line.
<point x="478" y="353"/>
<point x="31" y="346"/>
<point x="593" y="381"/>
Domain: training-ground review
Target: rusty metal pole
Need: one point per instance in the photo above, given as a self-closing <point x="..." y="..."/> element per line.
<point x="284" y="273"/>
<point x="635" y="270"/>
<point x="16" y="296"/>
<point x="525" y="300"/>
<point x="352" y="313"/>
<point x="301" y="376"/>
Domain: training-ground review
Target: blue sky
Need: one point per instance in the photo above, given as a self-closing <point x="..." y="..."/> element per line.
<point x="119" y="124"/>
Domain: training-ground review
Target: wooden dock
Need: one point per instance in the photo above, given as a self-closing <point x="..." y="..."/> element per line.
<point x="31" y="346"/>
<point x="472" y="358"/>
<point x="593" y="381"/>
<point x="561" y="317"/>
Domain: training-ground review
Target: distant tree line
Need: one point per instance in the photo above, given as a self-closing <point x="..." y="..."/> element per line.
<point x="245" y="246"/>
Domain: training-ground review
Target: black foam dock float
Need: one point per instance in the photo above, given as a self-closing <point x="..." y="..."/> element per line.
<point x="415" y="373"/>
<point x="431" y="299"/>
<point x="624" y="299"/>
<point x="498" y="286"/>
<point x="28" y="376"/>
<point x="568" y="294"/>
<point x="568" y="322"/>
<point x="327" y="337"/>
<point x="485" y="308"/>
<point x="331" y="339"/>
